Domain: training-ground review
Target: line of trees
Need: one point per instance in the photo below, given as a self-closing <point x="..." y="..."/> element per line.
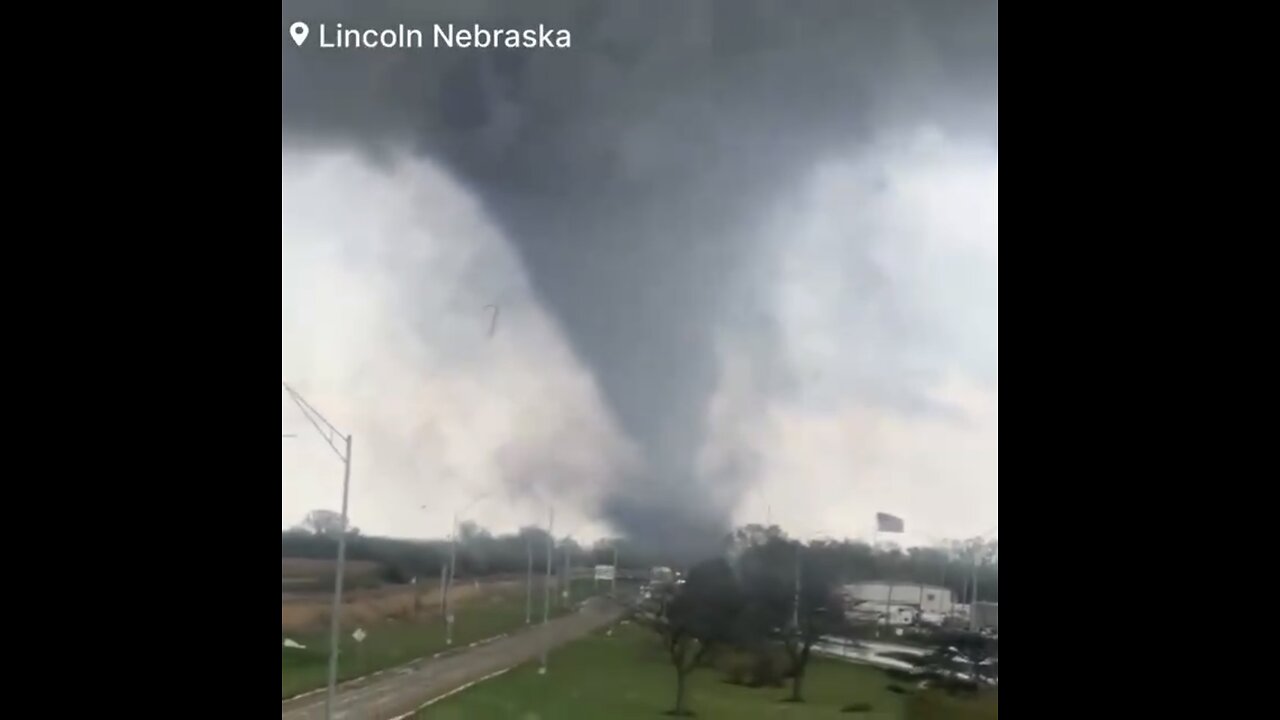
<point x="479" y="552"/>
<point x="953" y="565"/>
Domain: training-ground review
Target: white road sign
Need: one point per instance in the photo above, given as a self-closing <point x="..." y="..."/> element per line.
<point x="359" y="635"/>
<point x="604" y="572"/>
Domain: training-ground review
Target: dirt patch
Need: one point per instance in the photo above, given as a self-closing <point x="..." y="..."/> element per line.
<point x="313" y="575"/>
<point x="310" y="567"/>
<point x="311" y="612"/>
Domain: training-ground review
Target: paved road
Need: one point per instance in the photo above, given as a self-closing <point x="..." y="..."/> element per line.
<point x="393" y="693"/>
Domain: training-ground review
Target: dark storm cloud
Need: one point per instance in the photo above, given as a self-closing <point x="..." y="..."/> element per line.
<point x="628" y="171"/>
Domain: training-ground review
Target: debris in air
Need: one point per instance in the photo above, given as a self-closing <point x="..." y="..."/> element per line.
<point x="493" y="319"/>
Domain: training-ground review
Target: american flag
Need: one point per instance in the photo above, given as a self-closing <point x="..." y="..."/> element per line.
<point x="888" y="523"/>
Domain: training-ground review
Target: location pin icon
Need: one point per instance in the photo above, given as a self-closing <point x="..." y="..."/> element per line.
<point x="299" y="32"/>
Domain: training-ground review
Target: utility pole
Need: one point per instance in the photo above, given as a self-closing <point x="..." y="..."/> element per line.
<point x="528" y="583"/>
<point x="973" y="604"/>
<point x="330" y="434"/>
<point x="546" y="593"/>
<point x="613" y="582"/>
<point x="336" y="611"/>
<point x="444" y="599"/>
<point x="567" y="588"/>
<point x="795" y="605"/>
<point x="453" y="568"/>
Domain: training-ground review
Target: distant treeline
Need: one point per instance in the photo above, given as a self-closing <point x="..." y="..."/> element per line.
<point x="481" y="553"/>
<point x="478" y="552"/>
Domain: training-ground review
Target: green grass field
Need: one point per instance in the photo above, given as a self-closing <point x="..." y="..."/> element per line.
<point x="627" y="675"/>
<point x="395" y="642"/>
<point x="939" y="706"/>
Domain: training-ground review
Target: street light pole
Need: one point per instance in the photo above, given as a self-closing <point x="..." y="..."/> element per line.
<point x="973" y="602"/>
<point x="546" y="591"/>
<point x="330" y="434"/>
<point x="795" y="606"/>
<point x="453" y="567"/>
<point x="336" y="611"/>
<point x="528" y="582"/>
<point x="567" y="590"/>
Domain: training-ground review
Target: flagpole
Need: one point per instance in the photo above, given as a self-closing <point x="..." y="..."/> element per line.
<point x="875" y="540"/>
<point x="888" y="598"/>
<point x="895" y="525"/>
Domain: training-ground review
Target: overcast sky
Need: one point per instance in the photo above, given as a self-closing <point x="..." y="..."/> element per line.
<point x="746" y="258"/>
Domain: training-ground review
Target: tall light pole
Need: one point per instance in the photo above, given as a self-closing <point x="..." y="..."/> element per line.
<point x="444" y="578"/>
<point x="444" y="599"/>
<point x="330" y="434"/>
<point x="448" y="583"/>
<point x="453" y="568"/>
<point x="795" y="605"/>
<point x="566" y="581"/>
<point x="528" y="582"/>
<point x="980" y="553"/>
<point x="546" y="591"/>
<point x="973" y="604"/>
<point x="567" y="590"/>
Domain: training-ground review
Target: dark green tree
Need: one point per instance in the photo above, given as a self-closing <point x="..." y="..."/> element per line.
<point x="698" y="619"/>
<point x="820" y="612"/>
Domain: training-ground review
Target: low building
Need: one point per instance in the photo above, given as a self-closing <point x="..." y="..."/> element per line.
<point x="931" y="599"/>
<point x="879" y="613"/>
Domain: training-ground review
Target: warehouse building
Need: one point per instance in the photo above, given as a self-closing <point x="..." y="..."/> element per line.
<point x="931" y="599"/>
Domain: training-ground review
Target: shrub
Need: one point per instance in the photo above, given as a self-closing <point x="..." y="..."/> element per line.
<point x="934" y="705"/>
<point x="394" y="574"/>
<point x="896" y="689"/>
<point x="860" y="707"/>
<point x="768" y="669"/>
<point x="737" y="668"/>
<point x="763" y="667"/>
